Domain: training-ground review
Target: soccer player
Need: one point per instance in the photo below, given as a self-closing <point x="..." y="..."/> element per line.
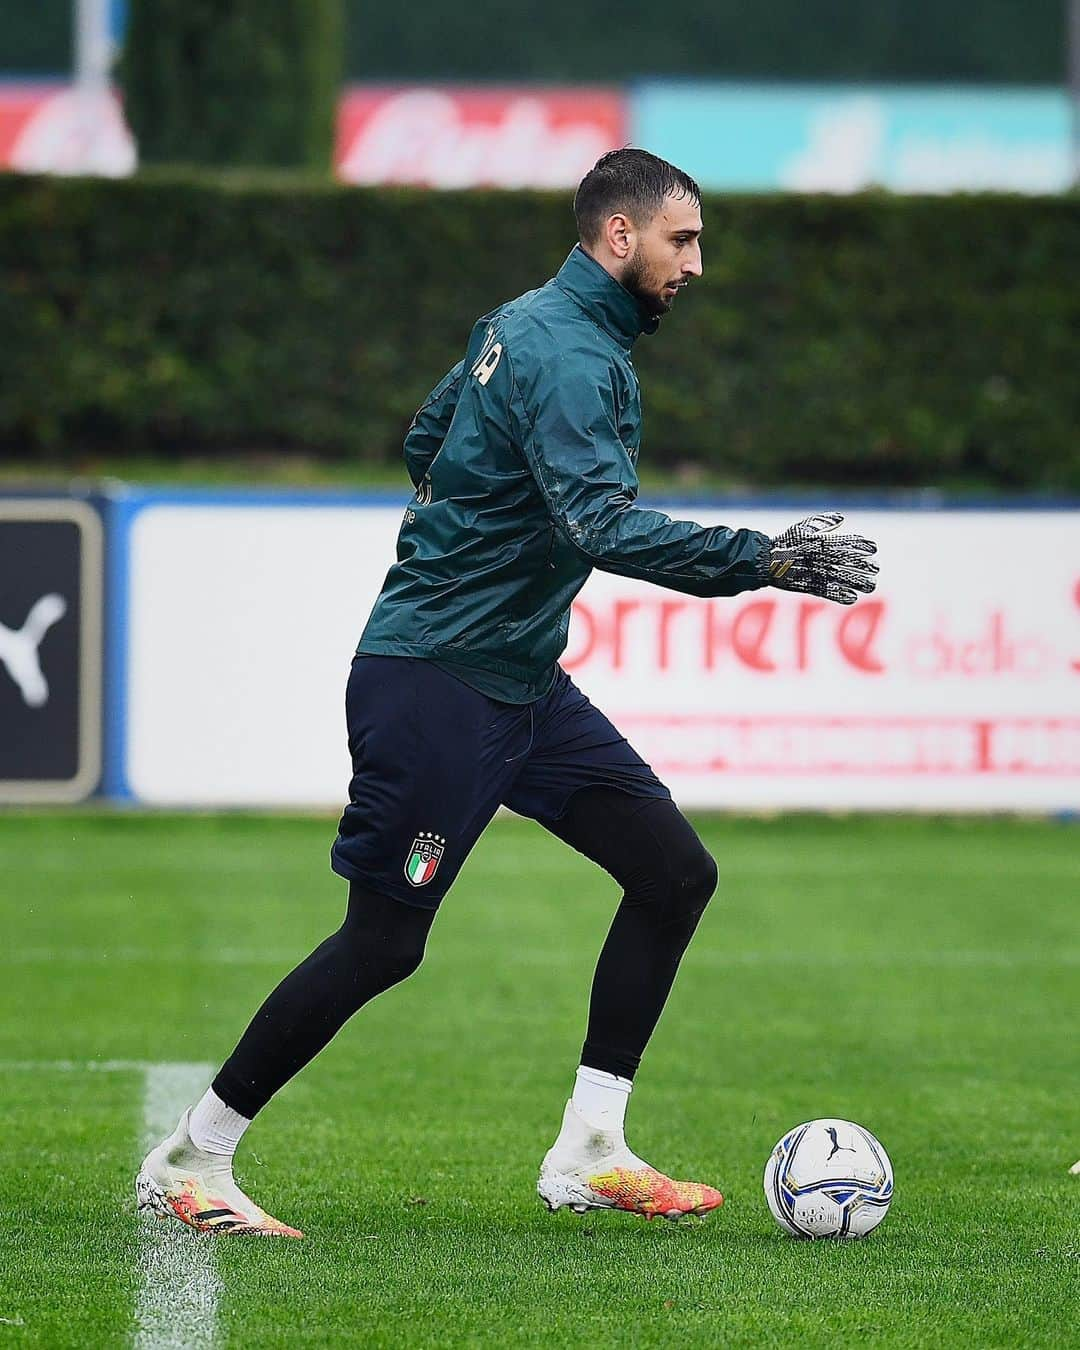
<point x="523" y="459"/>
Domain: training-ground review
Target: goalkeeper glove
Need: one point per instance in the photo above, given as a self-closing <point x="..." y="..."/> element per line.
<point x="807" y="558"/>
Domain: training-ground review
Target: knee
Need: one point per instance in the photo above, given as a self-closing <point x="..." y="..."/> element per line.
<point x="376" y="961"/>
<point x="693" y="881"/>
<point x="685" y="885"/>
<point x="402" y="956"/>
<point x="384" y="938"/>
<point x="676" y="874"/>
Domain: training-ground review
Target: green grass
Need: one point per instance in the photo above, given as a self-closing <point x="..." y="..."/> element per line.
<point x="271" y="469"/>
<point x="292" y="470"/>
<point x="917" y="975"/>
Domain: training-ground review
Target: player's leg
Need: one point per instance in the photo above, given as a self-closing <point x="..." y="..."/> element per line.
<point x="189" y="1175"/>
<point x="380" y="943"/>
<point x="430" y="757"/>
<point x="667" y="877"/>
<point x="587" y="785"/>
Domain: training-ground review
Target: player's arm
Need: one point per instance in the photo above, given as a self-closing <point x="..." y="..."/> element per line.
<point x="428" y="429"/>
<point x="568" y="430"/>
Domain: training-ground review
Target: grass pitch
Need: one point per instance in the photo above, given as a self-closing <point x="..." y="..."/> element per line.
<point x="918" y="976"/>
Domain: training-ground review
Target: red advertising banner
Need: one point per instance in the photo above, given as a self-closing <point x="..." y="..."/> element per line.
<point x="457" y="138"/>
<point x="55" y="128"/>
<point x="431" y="136"/>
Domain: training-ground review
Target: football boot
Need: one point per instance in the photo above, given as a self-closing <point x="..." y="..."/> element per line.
<point x="593" y="1169"/>
<point x="179" y="1181"/>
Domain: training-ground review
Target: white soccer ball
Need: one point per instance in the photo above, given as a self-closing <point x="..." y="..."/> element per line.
<point x="828" y="1178"/>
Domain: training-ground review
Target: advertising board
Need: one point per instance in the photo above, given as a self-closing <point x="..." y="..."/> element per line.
<point x="957" y="686"/>
<point x="51" y="647"/>
<point x="839" y="138"/>
<point x="738" y="137"/>
<point x="433" y="136"/>
<point x="50" y="127"/>
<point x="448" y="137"/>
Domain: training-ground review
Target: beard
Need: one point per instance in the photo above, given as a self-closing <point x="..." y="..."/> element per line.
<point x="635" y="279"/>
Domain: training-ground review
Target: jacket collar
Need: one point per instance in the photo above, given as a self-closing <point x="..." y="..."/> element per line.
<point x="608" y="304"/>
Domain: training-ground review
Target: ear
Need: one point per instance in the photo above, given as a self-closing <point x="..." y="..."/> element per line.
<point x="619" y="235"/>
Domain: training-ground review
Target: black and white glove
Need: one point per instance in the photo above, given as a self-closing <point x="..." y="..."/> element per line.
<point x="808" y="558"/>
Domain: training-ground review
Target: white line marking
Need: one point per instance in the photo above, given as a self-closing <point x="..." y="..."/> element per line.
<point x="178" y="1296"/>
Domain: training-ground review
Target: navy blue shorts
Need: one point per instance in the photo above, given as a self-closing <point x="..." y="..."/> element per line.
<point x="433" y="759"/>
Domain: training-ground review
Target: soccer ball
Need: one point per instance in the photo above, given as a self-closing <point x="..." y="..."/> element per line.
<point x="828" y="1178"/>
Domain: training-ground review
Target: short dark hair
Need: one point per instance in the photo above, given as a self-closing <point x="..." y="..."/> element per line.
<point x="628" y="180"/>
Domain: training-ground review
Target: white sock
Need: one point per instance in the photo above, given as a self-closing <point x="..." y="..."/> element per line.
<point x="600" y="1098"/>
<point x="215" y="1127"/>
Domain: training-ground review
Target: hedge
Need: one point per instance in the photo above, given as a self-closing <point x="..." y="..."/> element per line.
<point x="253" y="83"/>
<point x="856" y="341"/>
<point x="995" y="40"/>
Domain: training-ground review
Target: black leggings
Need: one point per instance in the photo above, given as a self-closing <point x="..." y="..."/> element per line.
<point x="646" y="844"/>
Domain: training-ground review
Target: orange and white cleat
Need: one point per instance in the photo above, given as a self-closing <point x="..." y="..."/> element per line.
<point x="179" y="1181"/>
<point x="593" y="1169"/>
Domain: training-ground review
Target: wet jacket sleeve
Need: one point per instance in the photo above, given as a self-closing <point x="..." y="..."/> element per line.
<point x="428" y="429"/>
<point x="568" y="430"/>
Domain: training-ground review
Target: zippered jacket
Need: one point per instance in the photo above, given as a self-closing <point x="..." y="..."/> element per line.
<point x="523" y="459"/>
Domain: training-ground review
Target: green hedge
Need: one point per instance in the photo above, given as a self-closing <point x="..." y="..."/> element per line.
<point x="255" y="83"/>
<point x="994" y="40"/>
<point x="856" y="341"/>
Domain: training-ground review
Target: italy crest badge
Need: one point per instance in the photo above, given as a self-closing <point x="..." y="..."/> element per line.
<point x="423" y="859"/>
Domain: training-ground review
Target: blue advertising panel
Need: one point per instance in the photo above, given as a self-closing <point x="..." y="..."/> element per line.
<point x="821" y="138"/>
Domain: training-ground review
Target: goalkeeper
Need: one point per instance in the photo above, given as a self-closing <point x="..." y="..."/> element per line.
<point x="523" y="459"/>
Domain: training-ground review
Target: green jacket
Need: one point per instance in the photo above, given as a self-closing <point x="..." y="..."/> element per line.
<point x="523" y="459"/>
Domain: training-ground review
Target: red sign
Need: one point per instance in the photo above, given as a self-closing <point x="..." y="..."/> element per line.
<point x="56" y="128"/>
<point x="430" y="136"/>
<point x="425" y="135"/>
<point x="458" y="138"/>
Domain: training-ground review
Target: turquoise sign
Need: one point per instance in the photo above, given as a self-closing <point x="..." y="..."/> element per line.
<point x="837" y="138"/>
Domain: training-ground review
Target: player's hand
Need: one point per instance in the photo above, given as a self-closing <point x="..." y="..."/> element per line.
<point x="808" y="558"/>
